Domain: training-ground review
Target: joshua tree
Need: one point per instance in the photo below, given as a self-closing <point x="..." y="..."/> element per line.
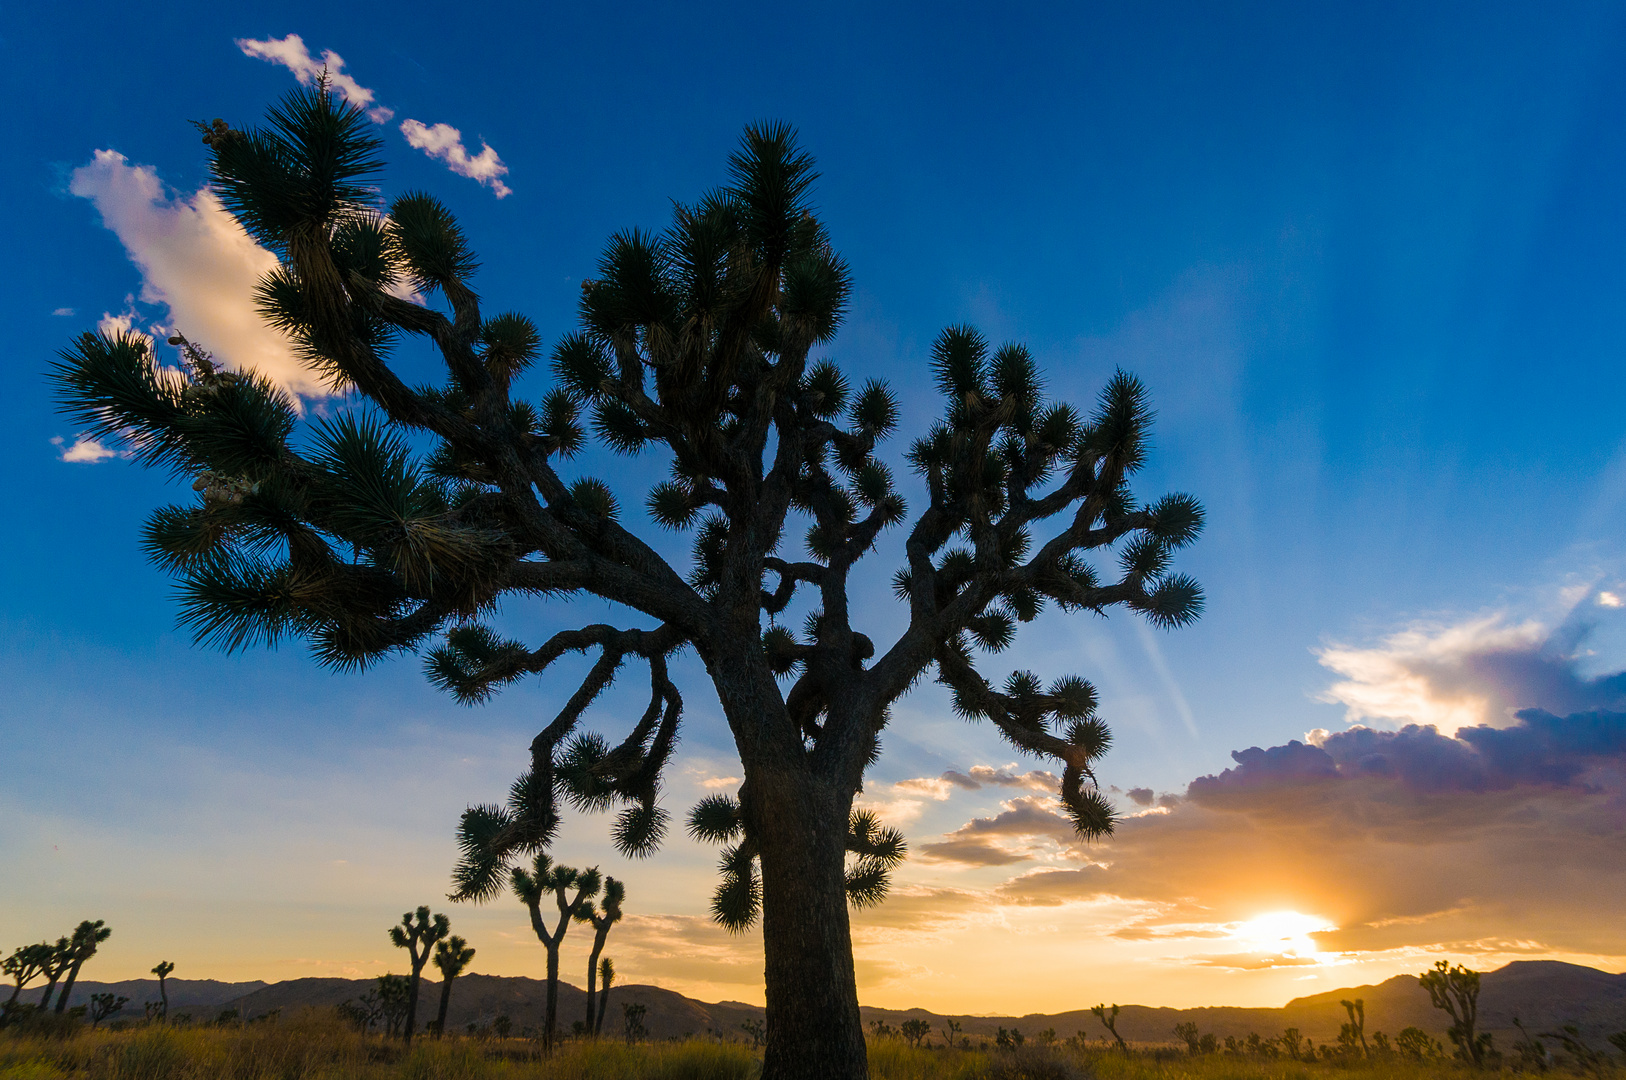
<point x="951" y="1031"/>
<point x="87" y="936"/>
<point x="23" y="966"/>
<point x="418" y="934"/>
<point x="56" y="964"/>
<point x="1109" y="1017"/>
<point x="531" y="886"/>
<point x="451" y="957"/>
<point x="104" y="1005"/>
<point x="1189" y="1034"/>
<point x="395" y="1001"/>
<point x="1456" y="991"/>
<point x="162" y="971"/>
<point x="915" y="1030"/>
<point x="606" y="976"/>
<point x="632" y="1018"/>
<point x="602" y="918"/>
<point x="1355" y="1029"/>
<point x="697" y="344"/>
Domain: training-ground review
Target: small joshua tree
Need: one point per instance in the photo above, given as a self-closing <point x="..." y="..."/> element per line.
<point x="632" y="1019"/>
<point x="1109" y="1017"/>
<point x="531" y="886"/>
<point x="451" y="957"/>
<point x="602" y="917"/>
<point x="1188" y="1034"/>
<point x="25" y="964"/>
<point x="606" y="976"/>
<point x="418" y="934"/>
<point x="395" y="1001"/>
<point x="1355" y="1030"/>
<point x="951" y="1031"/>
<point x="756" y="1029"/>
<point x="163" y="971"/>
<point x="1456" y="991"/>
<point x="103" y="1006"/>
<point x="87" y="937"/>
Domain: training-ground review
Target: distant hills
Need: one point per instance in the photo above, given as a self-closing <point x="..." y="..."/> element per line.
<point x="1541" y="993"/>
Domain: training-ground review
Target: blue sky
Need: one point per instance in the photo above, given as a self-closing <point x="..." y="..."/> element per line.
<point x="1367" y="259"/>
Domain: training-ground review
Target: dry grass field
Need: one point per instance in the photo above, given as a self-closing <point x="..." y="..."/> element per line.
<point x="313" y="1046"/>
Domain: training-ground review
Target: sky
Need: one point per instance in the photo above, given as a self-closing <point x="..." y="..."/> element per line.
<point x="1366" y="258"/>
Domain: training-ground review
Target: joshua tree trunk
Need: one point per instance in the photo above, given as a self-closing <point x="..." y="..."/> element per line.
<point x="553" y="993"/>
<point x="814" y="1030"/>
<point x="592" y="978"/>
<point x="45" y="998"/>
<point x="67" y="987"/>
<point x="412" y="1001"/>
<point x="445" y="1003"/>
<point x="603" y="999"/>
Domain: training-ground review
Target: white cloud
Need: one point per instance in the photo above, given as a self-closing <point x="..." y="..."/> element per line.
<point x="445" y="143"/>
<point x="1609" y="599"/>
<point x="85" y="450"/>
<point x="63" y="311"/>
<point x="195" y="259"/>
<point x="714" y="782"/>
<point x="291" y="53"/>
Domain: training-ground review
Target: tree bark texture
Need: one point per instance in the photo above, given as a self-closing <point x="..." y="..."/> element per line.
<point x="813" y="1027"/>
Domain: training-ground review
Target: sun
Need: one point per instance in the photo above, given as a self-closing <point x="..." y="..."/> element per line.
<point x="1285" y="932"/>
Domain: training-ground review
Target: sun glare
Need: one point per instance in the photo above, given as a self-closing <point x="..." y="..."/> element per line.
<point x="1281" y="932"/>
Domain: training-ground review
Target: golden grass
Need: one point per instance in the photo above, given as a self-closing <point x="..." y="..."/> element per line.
<point x="315" y="1046"/>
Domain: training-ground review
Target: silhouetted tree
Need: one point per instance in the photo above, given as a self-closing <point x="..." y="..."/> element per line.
<point x="395" y="1001"/>
<point x="162" y="971"/>
<point x="606" y="975"/>
<point x="87" y="937"/>
<point x="915" y="1030"/>
<point x="1415" y="1043"/>
<point x="1109" y="1017"/>
<point x="104" y="1005"/>
<point x="632" y="1020"/>
<point x="1355" y="1030"/>
<point x="1293" y="1043"/>
<point x="25" y="964"/>
<point x="1456" y="991"/>
<point x="951" y="1031"/>
<point x="451" y="957"/>
<point x="1188" y="1034"/>
<point x="418" y="934"/>
<point x="755" y="1028"/>
<point x="57" y="963"/>
<point x="362" y="1013"/>
<point x="697" y="343"/>
<point x="615" y="893"/>
<point x="531" y="886"/>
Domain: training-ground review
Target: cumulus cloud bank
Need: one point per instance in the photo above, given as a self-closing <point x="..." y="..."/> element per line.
<point x="445" y="143"/>
<point x="292" y="54"/>
<point x="1473" y="673"/>
<point x="196" y="260"/>
<point x="1494" y="839"/>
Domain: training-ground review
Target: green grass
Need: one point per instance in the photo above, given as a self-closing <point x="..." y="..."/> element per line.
<point x="314" y="1046"/>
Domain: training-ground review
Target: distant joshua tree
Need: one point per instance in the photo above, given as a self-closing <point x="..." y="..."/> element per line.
<point x="1414" y="1043"/>
<point x="1355" y="1030"/>
<point x="916" y="1030"/>
<point x="56" y="964"/>
<point x="418" y="935"/>
<point x="25" y="964"/>
<point x="1109" y="1017"/>
<point x="87" y="936"/>
<point x="632" y="1017"/>
<point x="104" y="1005"/>
<point x="162" y="971"/>
<point x="1188" y="1034"/>
<point x="531" y="886"/>
<point x="451" y="957"/>
<point x="951" y="1031"/>
<point x="606" y="975"/>
<point x="602" y="918"/>
<point x="395" y="999"/>
<point x="1456" y="991"/>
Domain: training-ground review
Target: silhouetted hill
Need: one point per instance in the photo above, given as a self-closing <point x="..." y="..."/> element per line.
<point x="184" y="994"/>
<point x="1542" y="993"/>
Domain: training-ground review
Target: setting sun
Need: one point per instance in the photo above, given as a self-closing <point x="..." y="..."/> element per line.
<point x="1281" y="932"/>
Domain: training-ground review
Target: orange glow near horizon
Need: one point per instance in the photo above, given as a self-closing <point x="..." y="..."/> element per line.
<point x="1284" y="932"/>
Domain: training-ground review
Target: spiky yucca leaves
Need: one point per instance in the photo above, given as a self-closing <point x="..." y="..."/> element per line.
<point x="875" y="849"/>
<point x="404" y="519"/>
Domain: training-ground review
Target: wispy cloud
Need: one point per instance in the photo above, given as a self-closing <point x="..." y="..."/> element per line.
<point x="445" y="143"/>
<point x="197" y="261"/>
<point x="63" y="311"/>
<point x="292" y="54"/>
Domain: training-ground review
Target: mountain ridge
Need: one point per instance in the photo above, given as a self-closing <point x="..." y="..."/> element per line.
<point x="1542" y="993"/>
